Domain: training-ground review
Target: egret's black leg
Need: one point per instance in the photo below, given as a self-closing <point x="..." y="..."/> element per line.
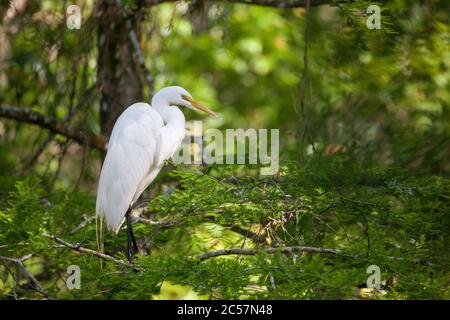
<point x="131" y="241"/>
<point x="129" y="253"/>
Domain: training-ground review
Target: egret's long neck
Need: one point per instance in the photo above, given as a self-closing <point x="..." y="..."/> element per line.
<point x="173" y="118"/>
<point x="173" y="132"/>
<point x="171" y="115"/>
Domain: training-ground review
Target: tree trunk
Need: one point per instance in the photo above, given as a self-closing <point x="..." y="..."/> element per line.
<point x="118" y="73"/>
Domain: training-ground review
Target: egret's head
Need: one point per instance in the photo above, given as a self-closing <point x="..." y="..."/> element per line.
<point x="178" y="96"/>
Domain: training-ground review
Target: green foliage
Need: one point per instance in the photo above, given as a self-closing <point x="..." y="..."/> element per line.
<point x="25" y="212"/>
<point x="375" y="216"/>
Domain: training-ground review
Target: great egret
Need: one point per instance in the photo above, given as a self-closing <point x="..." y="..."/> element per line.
<point x="143" y="137"/>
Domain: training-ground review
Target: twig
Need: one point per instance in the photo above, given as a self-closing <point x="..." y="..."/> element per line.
<point x="64" y="146"/>
<point x="83" y="163"/>
<point x="250" y="252"/>
<point x="19" y="261"/>
<point x="83" y="224"/>
<point x="79" y="248"/>
<point x="54" y="125"/>
<point x="36" y="155"/>
<point x="140" y="58"/>
<point x="248" y="234"/>
<point x="14" y="277"/>
<point x="155" y="223"/>
<point x="235" y="228"/>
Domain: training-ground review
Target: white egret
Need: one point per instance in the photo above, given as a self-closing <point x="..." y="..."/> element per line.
<point x="143" y="137"/>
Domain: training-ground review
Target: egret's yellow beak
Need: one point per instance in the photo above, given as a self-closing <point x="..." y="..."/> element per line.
<point x="200" y="106"/>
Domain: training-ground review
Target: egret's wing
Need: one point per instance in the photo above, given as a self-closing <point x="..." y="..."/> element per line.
<point x="131" y="158"/>
<point x="171" y="138"/>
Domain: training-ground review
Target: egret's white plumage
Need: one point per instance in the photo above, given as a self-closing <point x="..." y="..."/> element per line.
<point x="142" y="138"/>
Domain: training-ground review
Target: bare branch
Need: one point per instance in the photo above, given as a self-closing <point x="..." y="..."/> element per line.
<point x="155" y="223"/>
<point x="250" y="252"/>
<point x="36" y="284"/>
<point x="56" y="126"/>
<point x="79" y="248"/>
